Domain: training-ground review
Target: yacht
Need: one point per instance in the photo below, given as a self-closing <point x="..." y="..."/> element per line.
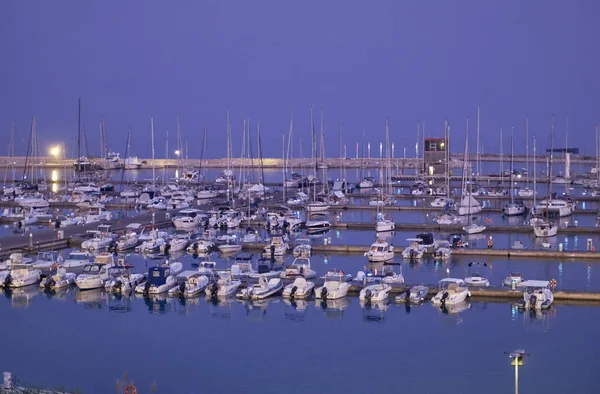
<point x="514" y="208"/>
<point x="474" y="228"/>
<point x="537" y="295"/>
<point x="451" y="292"/>
<point x="418" y="294"/>
<point x="200" y="246"/>
<point x="128" y="240"/>
<point x="442" y="250"/>
<point x="317" y="226"/>
<point x="380" y="251"/>
<point x="278" y="247"/>
<point x="414" y="250"/>
<point x="102" y="238"/>
<point x="563" y="207"/>
<point x="384" y="225"/>
<point x="513" y="278"/>
<point x="175" y="244"/>
<point x="77" y="260"/>
<point x="544" y="228"/>
<point x="366" y="183"/>
<point x="317" y="206"/>
<point x="45" y="260"/>
<point x="124" y="283"/>
<point x="299" y="289"/>
<point x="442" y="202"/>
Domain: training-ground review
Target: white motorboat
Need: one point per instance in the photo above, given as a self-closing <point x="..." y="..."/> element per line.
<point x="188" y="218"/>
<point x="207" y="268"/>
<point x="418" y="294"/>
<point x="414" y="250"/>
<point x="152" y="245"/>
<point x="335" y="287"/>
<point x="477" y="280"/>
<point x="103" y="238"/>
<point x="525" y="192"/>
<point x="537" y="295"/>
<point x="206" y="194"/>
<point x="317" y="206"/>
<point x="200" y="246"/>
<point x="317" y="226"/>
<point x="60" y="280"/>
<point x="385" y="225"/>
<point x="189" y="284"/>
<point x="230" y="248"/>
<point x="19" y="275"/>
<point x="251" y="236"/>
<point x="45" y="260"/>
<point x="366" y="183"/>
<point x="299" y="289"/>
<point x="175" y="244"/>
<point x="302" y="249"/>
<point x="474" y="228"/>
<point x="380" y="251"/>
<point x="277" y="248"/>
<point x="95" y="275"/>
<point x="300" y="267"/>
<point x="391" y="278"/>
<point x="513" y="279"/>
<point x="77" y="260"/>
<point x="442" y="250"/>
<point x="545" y="229"/>
<point x="33" y="201"/>
<point x="446" y="219"/>
<point x="242" y="270"/>
<point x="160" y="279"/>
<point x="376" y="292"/>
<point x="224" y="287"/>
<point x="265" y="288"/>
<point x="97" y="214"/>
<point x="128" y="240"/>
<point x="452" y="291"/>
<point x="124" y="283"/>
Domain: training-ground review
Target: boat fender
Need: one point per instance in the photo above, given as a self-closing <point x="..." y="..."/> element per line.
<point x="130" y="389"/>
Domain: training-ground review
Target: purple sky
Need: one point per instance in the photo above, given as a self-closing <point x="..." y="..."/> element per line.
<point x="358" y="61"/>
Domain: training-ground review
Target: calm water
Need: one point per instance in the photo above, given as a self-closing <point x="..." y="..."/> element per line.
<point x="89" y="340"/>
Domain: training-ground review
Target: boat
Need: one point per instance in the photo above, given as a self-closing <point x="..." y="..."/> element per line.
<point x="545" y="229"/>
<point x="277" y="248"/>
<point x="452" y="291"/>
<point x="96" y="274"/>
<point x="60" y="280"/>
<point x="366" y="183"/>
<point x="335" y="287"/>
<point x="251" y="236"/>
<point x="414" y="250"/>
<point x="128" y="240"/>
<point x="517" y="245"/>
<point x="303" y="248"/>
<point x="224" y="287"/>
<point x="189" y="284"/>
<point x="230" y="248"/>
<point x="380" y="251"/>
<point x="188" y="218"/>
<point x="299" y="289"/>
<point x="537" y="295"/>
<point x="418" y="294"/>
<point x="14" y="258"/>
<point x="384" y="225"/>
<point x="376" y="292"/>
<point x="317" y="206"/>
<point x="200" y="246"/>
<point x="391" y="277"/>
<point x="160" y="279"/>
<point x="446" y="219"/>
<point x="476" y="279"/>
<point x="300" y="267"/>
<point x="513" y="278"/>
<point x="442" y="250"/>
<point x="45" y="260"/>
<point x="473" y="228"/>
<point x="175" y="244"/>
<point x="265" y="288"/>
<point x="514" y="208"/>
<point x="124" y="283"/>
<point x="153" y="244"/>
<point x="317" y="226"/>
<point x="442" y="202"/>
<point x="207" y="268"/>
<point x="103" y="238"/>
<point x="77" y="260"/>
<point x="19" y="275"/>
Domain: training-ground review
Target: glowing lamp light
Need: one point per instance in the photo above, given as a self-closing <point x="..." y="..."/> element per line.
<point x="55" y="151"/>
<point x="177" y="152"/>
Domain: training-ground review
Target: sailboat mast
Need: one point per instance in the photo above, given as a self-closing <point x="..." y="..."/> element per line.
<point x="512" y="194"/>
<point x="79" y="131"/>
<point x="534" y="173"/>
<point x="153" y="169"/>
<point x="478" y="158"/>
<point x="284" y="164"/>
<point x="527" y="148"/>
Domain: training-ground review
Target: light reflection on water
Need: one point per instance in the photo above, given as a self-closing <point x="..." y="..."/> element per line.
<point x="238" y="345"/>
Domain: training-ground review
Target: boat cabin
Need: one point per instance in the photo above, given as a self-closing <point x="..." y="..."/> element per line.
<point x="379" y="247"/>
<point x="47" y="256"/>
<point x="157" y="276"/>
<point x="426" y="238"/>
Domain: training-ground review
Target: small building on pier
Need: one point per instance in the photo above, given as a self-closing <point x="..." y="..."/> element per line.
<point x="435" y="156"/>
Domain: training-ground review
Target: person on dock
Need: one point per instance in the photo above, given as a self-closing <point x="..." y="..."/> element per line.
<point x="490" y="243"/>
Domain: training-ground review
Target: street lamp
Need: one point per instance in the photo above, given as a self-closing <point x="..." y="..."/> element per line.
<point x="177" y="152"/>
<point x="55" y="151"/>
<point x="518" y="359"/>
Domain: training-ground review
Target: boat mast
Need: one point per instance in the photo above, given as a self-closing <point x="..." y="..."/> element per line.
<point x="478" y="158"/>
<point x="79" y="131"/>
<point x="527" y="149"/>
<point x="512" y="196"/>
<point x="534" y="174"/>
<point x="153" y="169"/>
<point x="284" y="164"/>
<point x="501" y="160"/>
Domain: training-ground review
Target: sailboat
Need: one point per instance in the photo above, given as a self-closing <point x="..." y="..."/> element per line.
<point x="513" y="208"/>
<point x="384" y="224"/>
<point x="290" y="181"/>
<point x="526" y="192"/>
<point x="467" y="205"/>
<point x="544" y="227"/>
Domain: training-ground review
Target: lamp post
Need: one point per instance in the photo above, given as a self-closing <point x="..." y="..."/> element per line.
<point x="518" y="359"/>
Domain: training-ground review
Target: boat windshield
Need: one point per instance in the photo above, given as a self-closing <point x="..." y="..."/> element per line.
<point x="92" y="268"/>
<point x="77" y="256"/>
